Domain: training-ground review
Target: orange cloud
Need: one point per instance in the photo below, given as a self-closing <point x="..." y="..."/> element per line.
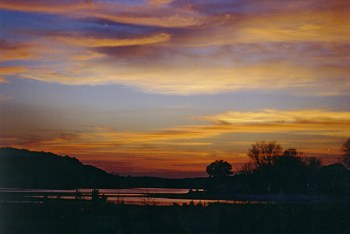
<point x="160" y="2"/>
<point x="314" y="132"/>
<point x="328" y="25"/>
<point x="104" y="42"/>
<point x="6" y="70"/>
<point x="85" y="56"/>
<point x="194" y="79"/>
<point x="302" y="122"/>
<point x="324" y="26"/>
<point x="14" y="53"/>
<point x="55" y="8"/>
<point x="172" y="20"/>
<point x="272" y="116"/>
<point x="144" y="15"/>
<point x="266" y="48"/>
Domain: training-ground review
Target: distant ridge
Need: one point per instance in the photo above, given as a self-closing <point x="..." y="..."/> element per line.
<point x="21" y="168"/>
<point x="29" y="169"/>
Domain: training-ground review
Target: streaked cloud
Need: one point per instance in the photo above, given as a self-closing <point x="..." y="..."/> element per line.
<point x="14" y="51"/>
<point x="10" y="70"/>
<point x="204" y="142"/>
<point x="271" y="116"/>
<point x="85" y="56"/>
<point x="160" y="2"/>
<point x="121" y="13"/>
<point x="197" y="80"/>
<point x="170" y="47"/>
<point x="104" y="42"/>
<point x="51" y="7"/>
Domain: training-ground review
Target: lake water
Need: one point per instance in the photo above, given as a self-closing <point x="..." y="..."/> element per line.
<point x="137" y="196"/>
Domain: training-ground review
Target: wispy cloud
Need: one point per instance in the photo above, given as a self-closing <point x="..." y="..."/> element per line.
<point x="203" y="140"/>
<point x="188" y="79"/>
<point x="53" y="7"/>
<point x="190" y="148"/>
<point x="121" y="13"/>
<point x="14" y="51"/>
<point x="160" y="2"/>
<point x="105" y="42"/>
<point x="10" y="70"/>
<point x="181" y="48"/>
<point x="272" y="116"/>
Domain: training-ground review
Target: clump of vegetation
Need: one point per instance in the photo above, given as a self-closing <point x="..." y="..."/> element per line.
<point x="346" y="153"/>
<point x="273" y="170"/>
<point x="219" y="168"/>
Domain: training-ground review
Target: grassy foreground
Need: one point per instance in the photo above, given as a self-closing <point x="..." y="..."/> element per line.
<point x="86" y="217"/>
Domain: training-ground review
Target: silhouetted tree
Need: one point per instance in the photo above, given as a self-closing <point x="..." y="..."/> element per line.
<point x="288" y="173"/>
<point x="312" y="162"/>
<point x="263" y="154"/>
<point x="219" y="168"/>
<point x="247" y="169"/>
<point x="290" y="152"/>
<point x="346" y="153"/>
<point x="334" y="179"/>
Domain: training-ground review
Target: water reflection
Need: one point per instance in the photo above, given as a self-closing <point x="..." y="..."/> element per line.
<point x="136" y="196"/>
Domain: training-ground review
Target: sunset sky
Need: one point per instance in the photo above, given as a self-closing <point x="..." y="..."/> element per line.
<point x="163" y="88"/>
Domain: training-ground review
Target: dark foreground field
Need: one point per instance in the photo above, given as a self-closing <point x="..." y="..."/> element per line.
<point x="86" y="217"/>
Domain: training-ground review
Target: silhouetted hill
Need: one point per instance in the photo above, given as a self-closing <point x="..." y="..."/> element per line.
<point x="22" y="168"/>
<point x="27" y="169"/>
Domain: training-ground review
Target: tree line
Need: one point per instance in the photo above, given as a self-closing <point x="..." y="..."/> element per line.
<point x="274" y="170"/>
